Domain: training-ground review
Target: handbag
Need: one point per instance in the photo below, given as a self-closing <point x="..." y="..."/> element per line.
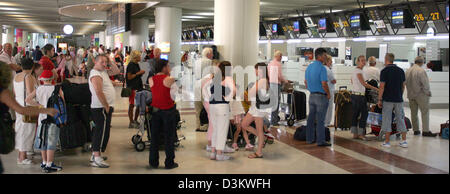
<point x="27" y="118"/>
<point x="7" y="134"/>
<point x="126" y="92"/>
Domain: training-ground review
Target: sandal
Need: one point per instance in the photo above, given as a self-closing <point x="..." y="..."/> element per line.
<point x="255" y="156"/>
<point x="235" y="146"/>
<point x="249" y="147"/>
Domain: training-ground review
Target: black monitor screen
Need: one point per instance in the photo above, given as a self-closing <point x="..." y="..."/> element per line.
<point x="446" y="12"/>
<point x="355" y="21"/>
<point x="323" y="24"/>
<point x="397" y="18"/>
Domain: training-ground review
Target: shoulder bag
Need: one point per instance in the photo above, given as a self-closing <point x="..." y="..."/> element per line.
<point x="27" y="118"/>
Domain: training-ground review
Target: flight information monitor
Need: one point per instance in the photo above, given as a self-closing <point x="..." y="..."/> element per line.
<point x="355" y="21"/>
<point x="323" y="24"/>
<point x="297" y="26"/>
<point x="274" y="28"/>
<point x="397" y="18"/>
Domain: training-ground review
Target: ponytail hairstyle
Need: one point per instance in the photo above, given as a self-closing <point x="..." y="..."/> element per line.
<point x="266" y="71"/>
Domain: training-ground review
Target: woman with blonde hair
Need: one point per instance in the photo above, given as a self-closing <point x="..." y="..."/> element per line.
<point x="134" y="82"/>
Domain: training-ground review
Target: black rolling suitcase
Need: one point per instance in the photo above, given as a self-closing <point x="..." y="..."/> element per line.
<point x="300" y="105"/>
<point x="343" y="111"/>
<point x="76" y="93"/>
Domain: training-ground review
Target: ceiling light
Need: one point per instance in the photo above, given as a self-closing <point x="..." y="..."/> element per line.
<point x="431" y="37"/>
<point x="68" y="29"/>
<point x="263" y="41"/>
<point x="277" y="41"/>
<point x="206" y="13"/>
<point x="194" y="17"/>
<point x="10" y="9"/>
<point x="394" y="38"/>
<point x="7" y="4"/>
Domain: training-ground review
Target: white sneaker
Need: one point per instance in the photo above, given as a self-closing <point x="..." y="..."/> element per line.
<point x="99" y="163"/>
<point x="223" y="157"/>
<point x="386" y="145"/>
<point x="228" y="149"/>
<point x="208" y="148"/>
<point x="25" y="162"/>
<point x="212" y="156"/>
<point x="93" y="157"/>
<point x="403" y="144"/>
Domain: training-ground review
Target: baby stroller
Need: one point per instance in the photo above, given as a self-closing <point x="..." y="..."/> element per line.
<point x="375" y="121"/>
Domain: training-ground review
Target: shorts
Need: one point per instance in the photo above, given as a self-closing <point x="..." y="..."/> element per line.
<point x="47" y="137"/>
<point x="260" y="113"/>
<point x="132" y="96"/>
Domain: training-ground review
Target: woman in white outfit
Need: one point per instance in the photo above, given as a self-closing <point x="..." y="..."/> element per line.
<point x="222" y="91"/>
<point x="260" y="108"/>
<point x="331" y="87"/>
<point x="24" y="84"/>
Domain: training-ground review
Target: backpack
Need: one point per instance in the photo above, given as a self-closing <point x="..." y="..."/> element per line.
<point x="56" y="101"/>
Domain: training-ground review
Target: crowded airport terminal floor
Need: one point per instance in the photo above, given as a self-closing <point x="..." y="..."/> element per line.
<point x="224" y="87"/>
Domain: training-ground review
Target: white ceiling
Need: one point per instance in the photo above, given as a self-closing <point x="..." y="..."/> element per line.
<point x="43" y="15"/>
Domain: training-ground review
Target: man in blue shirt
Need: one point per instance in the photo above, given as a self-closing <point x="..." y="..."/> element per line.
<point x="316" y="81"/>
<point x="390" y="98"/>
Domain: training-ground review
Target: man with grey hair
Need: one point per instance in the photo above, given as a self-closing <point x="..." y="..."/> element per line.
<point x="390" y="98"/>
<point x="201" y="69"/>
<point x="418" y="89"/>
<point x="371" y="72"/>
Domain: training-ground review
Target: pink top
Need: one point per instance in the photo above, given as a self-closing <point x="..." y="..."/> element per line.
<point x="275" y="72"/>
<point x="61" y="63"/>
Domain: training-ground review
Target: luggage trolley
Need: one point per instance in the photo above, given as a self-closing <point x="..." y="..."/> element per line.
<point x="286" y="107"/>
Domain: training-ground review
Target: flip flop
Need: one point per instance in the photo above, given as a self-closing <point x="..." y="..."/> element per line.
<point x="255" y="156"/>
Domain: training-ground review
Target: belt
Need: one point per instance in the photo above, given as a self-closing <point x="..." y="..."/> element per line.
<point x="320" y="93"/>
<point x="358" y="94"/>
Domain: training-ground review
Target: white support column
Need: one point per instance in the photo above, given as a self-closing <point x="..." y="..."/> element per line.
<point x="236" y="30"/>
<point x="168" y="29"/>
<point x="24" y="39"/>
<point x="101" y="36"/>
<point x="10" y="35"/>
<point x="139" y="33"/>
<point x="1" y="35"/>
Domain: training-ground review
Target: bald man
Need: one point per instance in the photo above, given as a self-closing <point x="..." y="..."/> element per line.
<point x="7" y="57"/>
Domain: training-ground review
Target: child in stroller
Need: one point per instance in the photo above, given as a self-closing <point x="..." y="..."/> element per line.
<point x="143" y="100"/>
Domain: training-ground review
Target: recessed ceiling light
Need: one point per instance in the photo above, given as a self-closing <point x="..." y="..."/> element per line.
<point x="8" y="4"/>
<point x="19" y="16"/>
<point x="10" y="9"/>
<point x="194" y="17"/>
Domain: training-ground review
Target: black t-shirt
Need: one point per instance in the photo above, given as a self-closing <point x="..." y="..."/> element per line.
<point x="393" y="77"/>
<point x="136" y="83"/>
<point x="3" y="108"/>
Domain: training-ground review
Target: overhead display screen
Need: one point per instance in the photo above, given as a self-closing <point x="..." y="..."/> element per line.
<point x="446" y="13"/>
<point x="355" y="21"/>
<point x="397" y="18"/>
<point x="296" y="26"/>
<point x="274" y="28"/>
<point x="323" y="24"/>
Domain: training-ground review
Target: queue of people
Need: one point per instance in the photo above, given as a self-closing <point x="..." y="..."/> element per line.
<point x="34" y="83"/>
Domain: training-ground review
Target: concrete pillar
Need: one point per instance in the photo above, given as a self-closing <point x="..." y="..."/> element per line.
<point x="168" y="30"/>
<point x="101" y="36"/>
<point x="24" y="39"/>
<point x="109" y="41"/>
<point x="236" y="30"/>
<point x="139" y="33"/>
<point x="269" y="50"/>
<point x="1" y="35"/>
<point x="10" y="35"/>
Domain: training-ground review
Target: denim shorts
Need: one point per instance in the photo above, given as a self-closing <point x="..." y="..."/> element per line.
<point x="47" y="137"/>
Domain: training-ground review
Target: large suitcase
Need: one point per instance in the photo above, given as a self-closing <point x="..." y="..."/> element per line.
<point x="72" y="135"/>
<point x="76" y="93"/>
<point x="343" y="112"/>
<point x="300" y="105"/>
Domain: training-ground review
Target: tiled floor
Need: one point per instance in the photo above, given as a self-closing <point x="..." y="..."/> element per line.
<point x="285" y="156"/>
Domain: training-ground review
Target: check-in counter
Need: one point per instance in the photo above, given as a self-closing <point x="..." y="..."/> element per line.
<point x="439" y="81"/>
